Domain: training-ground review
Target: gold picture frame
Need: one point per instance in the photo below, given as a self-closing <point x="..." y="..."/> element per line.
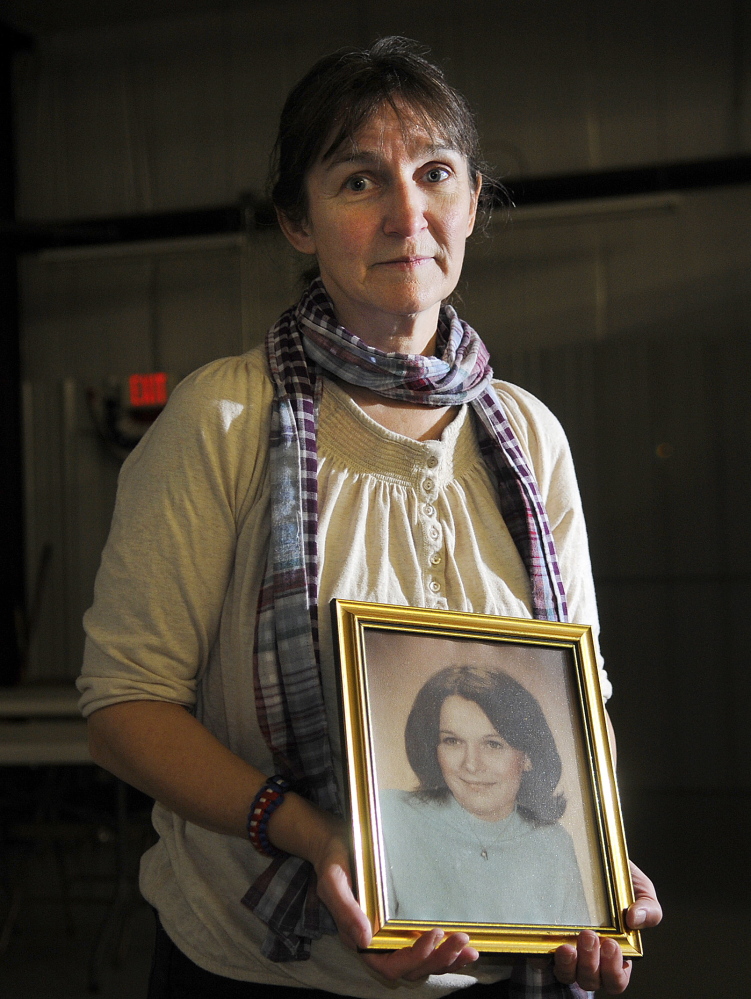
<point x="479" y="842"/>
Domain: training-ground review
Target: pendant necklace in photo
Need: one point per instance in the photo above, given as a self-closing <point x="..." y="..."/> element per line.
<point x="464" y="826"/>
<point x="483" y="848"/>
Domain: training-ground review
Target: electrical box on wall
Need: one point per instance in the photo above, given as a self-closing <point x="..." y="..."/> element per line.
<point x="123" y="407"/>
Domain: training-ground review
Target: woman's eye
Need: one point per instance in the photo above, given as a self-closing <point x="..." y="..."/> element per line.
<point x="495" y="744"/>
<point x="436" y="174"/>
<point x="357" y="184"/>
<point x="449" y="740"/>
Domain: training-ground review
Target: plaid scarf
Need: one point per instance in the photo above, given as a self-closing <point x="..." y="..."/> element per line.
<point x="286" y="667"/>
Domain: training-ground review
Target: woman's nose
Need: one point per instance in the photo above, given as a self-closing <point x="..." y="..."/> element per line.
<point x="405" y="212"/>
<point x="471" y="758"/>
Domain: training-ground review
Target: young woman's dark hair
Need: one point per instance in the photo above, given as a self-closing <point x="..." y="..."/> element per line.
<point x="514" y="714"/>
<point x="343" y="90"/>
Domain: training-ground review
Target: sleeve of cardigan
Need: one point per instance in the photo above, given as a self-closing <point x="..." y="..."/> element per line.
<point x="544" y="442"/>
<point x="164" y="572"/>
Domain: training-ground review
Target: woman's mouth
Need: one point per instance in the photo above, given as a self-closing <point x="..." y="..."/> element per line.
<point x="406" y="263"/>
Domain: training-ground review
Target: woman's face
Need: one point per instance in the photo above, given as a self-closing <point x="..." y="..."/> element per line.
<point x="388" y="217"/>
<point x="479" y="767"/>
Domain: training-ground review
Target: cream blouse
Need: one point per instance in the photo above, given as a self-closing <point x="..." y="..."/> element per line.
<point x="400" y="521"/>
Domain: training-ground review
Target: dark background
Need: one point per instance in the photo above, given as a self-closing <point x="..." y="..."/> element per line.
<point x="618" y="291"/>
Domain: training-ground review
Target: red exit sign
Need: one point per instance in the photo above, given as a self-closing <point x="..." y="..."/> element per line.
<point x="148" y="390"/>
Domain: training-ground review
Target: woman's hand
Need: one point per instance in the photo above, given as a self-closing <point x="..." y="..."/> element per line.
<point x="329" y="854"/>
<point x="592" y="964"/>
<point x="596" y="963"/>
<point x="430" y="954"/>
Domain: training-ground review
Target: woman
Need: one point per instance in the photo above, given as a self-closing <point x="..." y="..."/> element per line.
<point x="326" y="464"/>
<point x="488" y="769"/>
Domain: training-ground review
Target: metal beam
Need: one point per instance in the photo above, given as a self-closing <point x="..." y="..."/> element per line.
<point x="253" y="213"/>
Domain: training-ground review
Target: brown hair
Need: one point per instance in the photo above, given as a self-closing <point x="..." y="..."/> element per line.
<point x="513" y="712"/>
<point x="343" y="90"/>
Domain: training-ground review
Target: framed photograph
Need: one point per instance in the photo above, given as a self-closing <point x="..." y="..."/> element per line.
<point x="481" y="789"/>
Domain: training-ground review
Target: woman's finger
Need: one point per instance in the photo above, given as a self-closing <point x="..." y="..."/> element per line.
<point x="615" y="973"/>
<point x="406" y="961"/>
<point x="429" y="955"/>
<point x="564" y="964"/>
<point x="588" y="961"/>
<point x="334" y="888"/>
<point x="593" y="964"/>
<point x="645" y="910"/>
<point x="452" y="955"/>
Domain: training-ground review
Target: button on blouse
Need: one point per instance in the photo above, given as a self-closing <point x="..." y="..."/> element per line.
<point x="417" y="522"/>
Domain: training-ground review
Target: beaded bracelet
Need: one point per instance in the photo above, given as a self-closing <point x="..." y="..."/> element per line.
<point x="265" y="803"/>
